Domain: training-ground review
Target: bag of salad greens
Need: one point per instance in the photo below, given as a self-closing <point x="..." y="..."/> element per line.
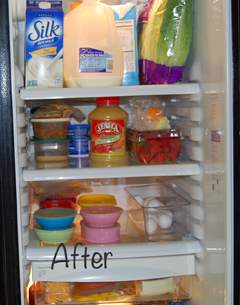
<point x="165" y="36"/>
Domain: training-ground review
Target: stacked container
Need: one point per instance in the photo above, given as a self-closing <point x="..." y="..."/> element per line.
<point x="54" y="225"/>
<point x="100" y="216"/>
<point x="51" y="142"/>
<point x="78" y="145"/>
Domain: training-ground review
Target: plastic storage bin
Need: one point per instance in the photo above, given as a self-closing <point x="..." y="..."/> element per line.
<point x="166" y="291"/>
<point x="48" y="151"/>
<point x="50" y="128"/>
<point x="154" y="147"/>
<point x="166" y="214"/>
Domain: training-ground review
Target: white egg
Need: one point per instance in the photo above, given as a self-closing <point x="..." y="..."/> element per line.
<point x="165" y="219"/>
<point x="166" y="212"/>
<point x="153" y="202"/>
<point x="151" y="215"/>
<point x="151" y="225"/>
<point x="139" y="199"/>
<point x="151" y="211"/>
<point x="152" y="205"/>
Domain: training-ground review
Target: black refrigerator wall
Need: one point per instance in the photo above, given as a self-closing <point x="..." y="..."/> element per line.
<point x="9" y="266"/>
<point x="236" y="107"/>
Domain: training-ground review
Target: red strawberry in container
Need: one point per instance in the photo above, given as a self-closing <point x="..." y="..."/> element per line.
<point x="143" y="154"/>
<point x="156" y="142"/>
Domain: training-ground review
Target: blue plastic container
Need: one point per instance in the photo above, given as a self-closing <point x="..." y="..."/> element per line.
<point x="76" y="161"/>
<point x="79" y="139"/>
<point x="55" y="218"/>
<point x="78" y="130"/>
<point x="78" y="146"/>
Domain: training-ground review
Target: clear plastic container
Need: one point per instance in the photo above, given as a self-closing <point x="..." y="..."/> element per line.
<point x="79" y="146"/>
<point x="50" y="151"/>
<point x="165" y="291"/>
<point x="86" y="293"/>
<point x="48" y="165"/>
<point x="50" y="128"/>
<point x="92" y="52"/>
<point x="78" y="161"/>
<point x="78" y="130"/>
<point x="166" y="214"/>
<point x="154" y="147"/>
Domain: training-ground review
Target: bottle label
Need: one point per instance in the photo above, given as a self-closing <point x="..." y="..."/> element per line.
<point x="125" y="30"/>
<point x="108" y="136"/>
<point x="94" y="61"/>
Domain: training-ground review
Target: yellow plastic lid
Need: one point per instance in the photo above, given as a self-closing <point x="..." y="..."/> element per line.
<point x="96" y="199"/>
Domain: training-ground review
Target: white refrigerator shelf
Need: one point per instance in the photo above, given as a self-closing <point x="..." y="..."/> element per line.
<point x="145" y="260"/>
<point x="36" y="252"/>
<point x="178" y="169"/>
<point x="144" y="268"/>
<point x="66" y="93"/>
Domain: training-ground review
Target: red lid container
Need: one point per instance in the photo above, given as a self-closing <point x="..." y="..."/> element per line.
<point x="58" y="203"/>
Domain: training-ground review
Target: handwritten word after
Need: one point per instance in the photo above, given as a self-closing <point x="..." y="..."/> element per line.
<point x="95" y="260"/>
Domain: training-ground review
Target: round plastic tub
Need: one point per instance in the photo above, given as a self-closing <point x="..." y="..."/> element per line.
<point x="96" y="200"/>
<point x="58" y="203"/>
<point x="78" y="146"/>
<point x="78" y="161"/>
<point x="50" y="128"/>
<point x="100" y="235"/>
<point x="54" y="237"/>
<point x="51" y="150"/>
<point x="54" y="218"/>
<point x="101" y="216"/>
<point x="78" y="130"/>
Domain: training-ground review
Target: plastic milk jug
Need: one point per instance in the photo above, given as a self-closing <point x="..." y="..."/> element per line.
<point x="92" y="52"/>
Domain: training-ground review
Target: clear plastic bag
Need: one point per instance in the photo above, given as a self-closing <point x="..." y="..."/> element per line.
<point x="165" y="36"/>
<point x="146" y="116"/>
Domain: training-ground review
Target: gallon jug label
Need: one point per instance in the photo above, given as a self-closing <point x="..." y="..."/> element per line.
<point x="108" y="136"/>
<point x="93" y="60"/>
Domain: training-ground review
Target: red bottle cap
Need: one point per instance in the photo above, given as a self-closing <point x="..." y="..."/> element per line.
<point x="100" y="101"/>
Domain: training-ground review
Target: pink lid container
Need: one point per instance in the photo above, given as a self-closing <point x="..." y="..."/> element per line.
<point x="101" y="216"/>
<point x="100" y="235"/>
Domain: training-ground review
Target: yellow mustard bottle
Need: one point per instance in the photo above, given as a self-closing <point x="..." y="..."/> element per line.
<point x="108" y="133"/>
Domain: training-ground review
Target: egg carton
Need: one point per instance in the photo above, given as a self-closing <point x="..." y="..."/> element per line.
<point x="166" y="214"/>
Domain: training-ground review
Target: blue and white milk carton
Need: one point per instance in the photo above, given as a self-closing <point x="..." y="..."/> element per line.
<point x="44" y="44"/>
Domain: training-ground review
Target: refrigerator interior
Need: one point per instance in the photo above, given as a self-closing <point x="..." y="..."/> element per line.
<point x="203" y="111"/>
